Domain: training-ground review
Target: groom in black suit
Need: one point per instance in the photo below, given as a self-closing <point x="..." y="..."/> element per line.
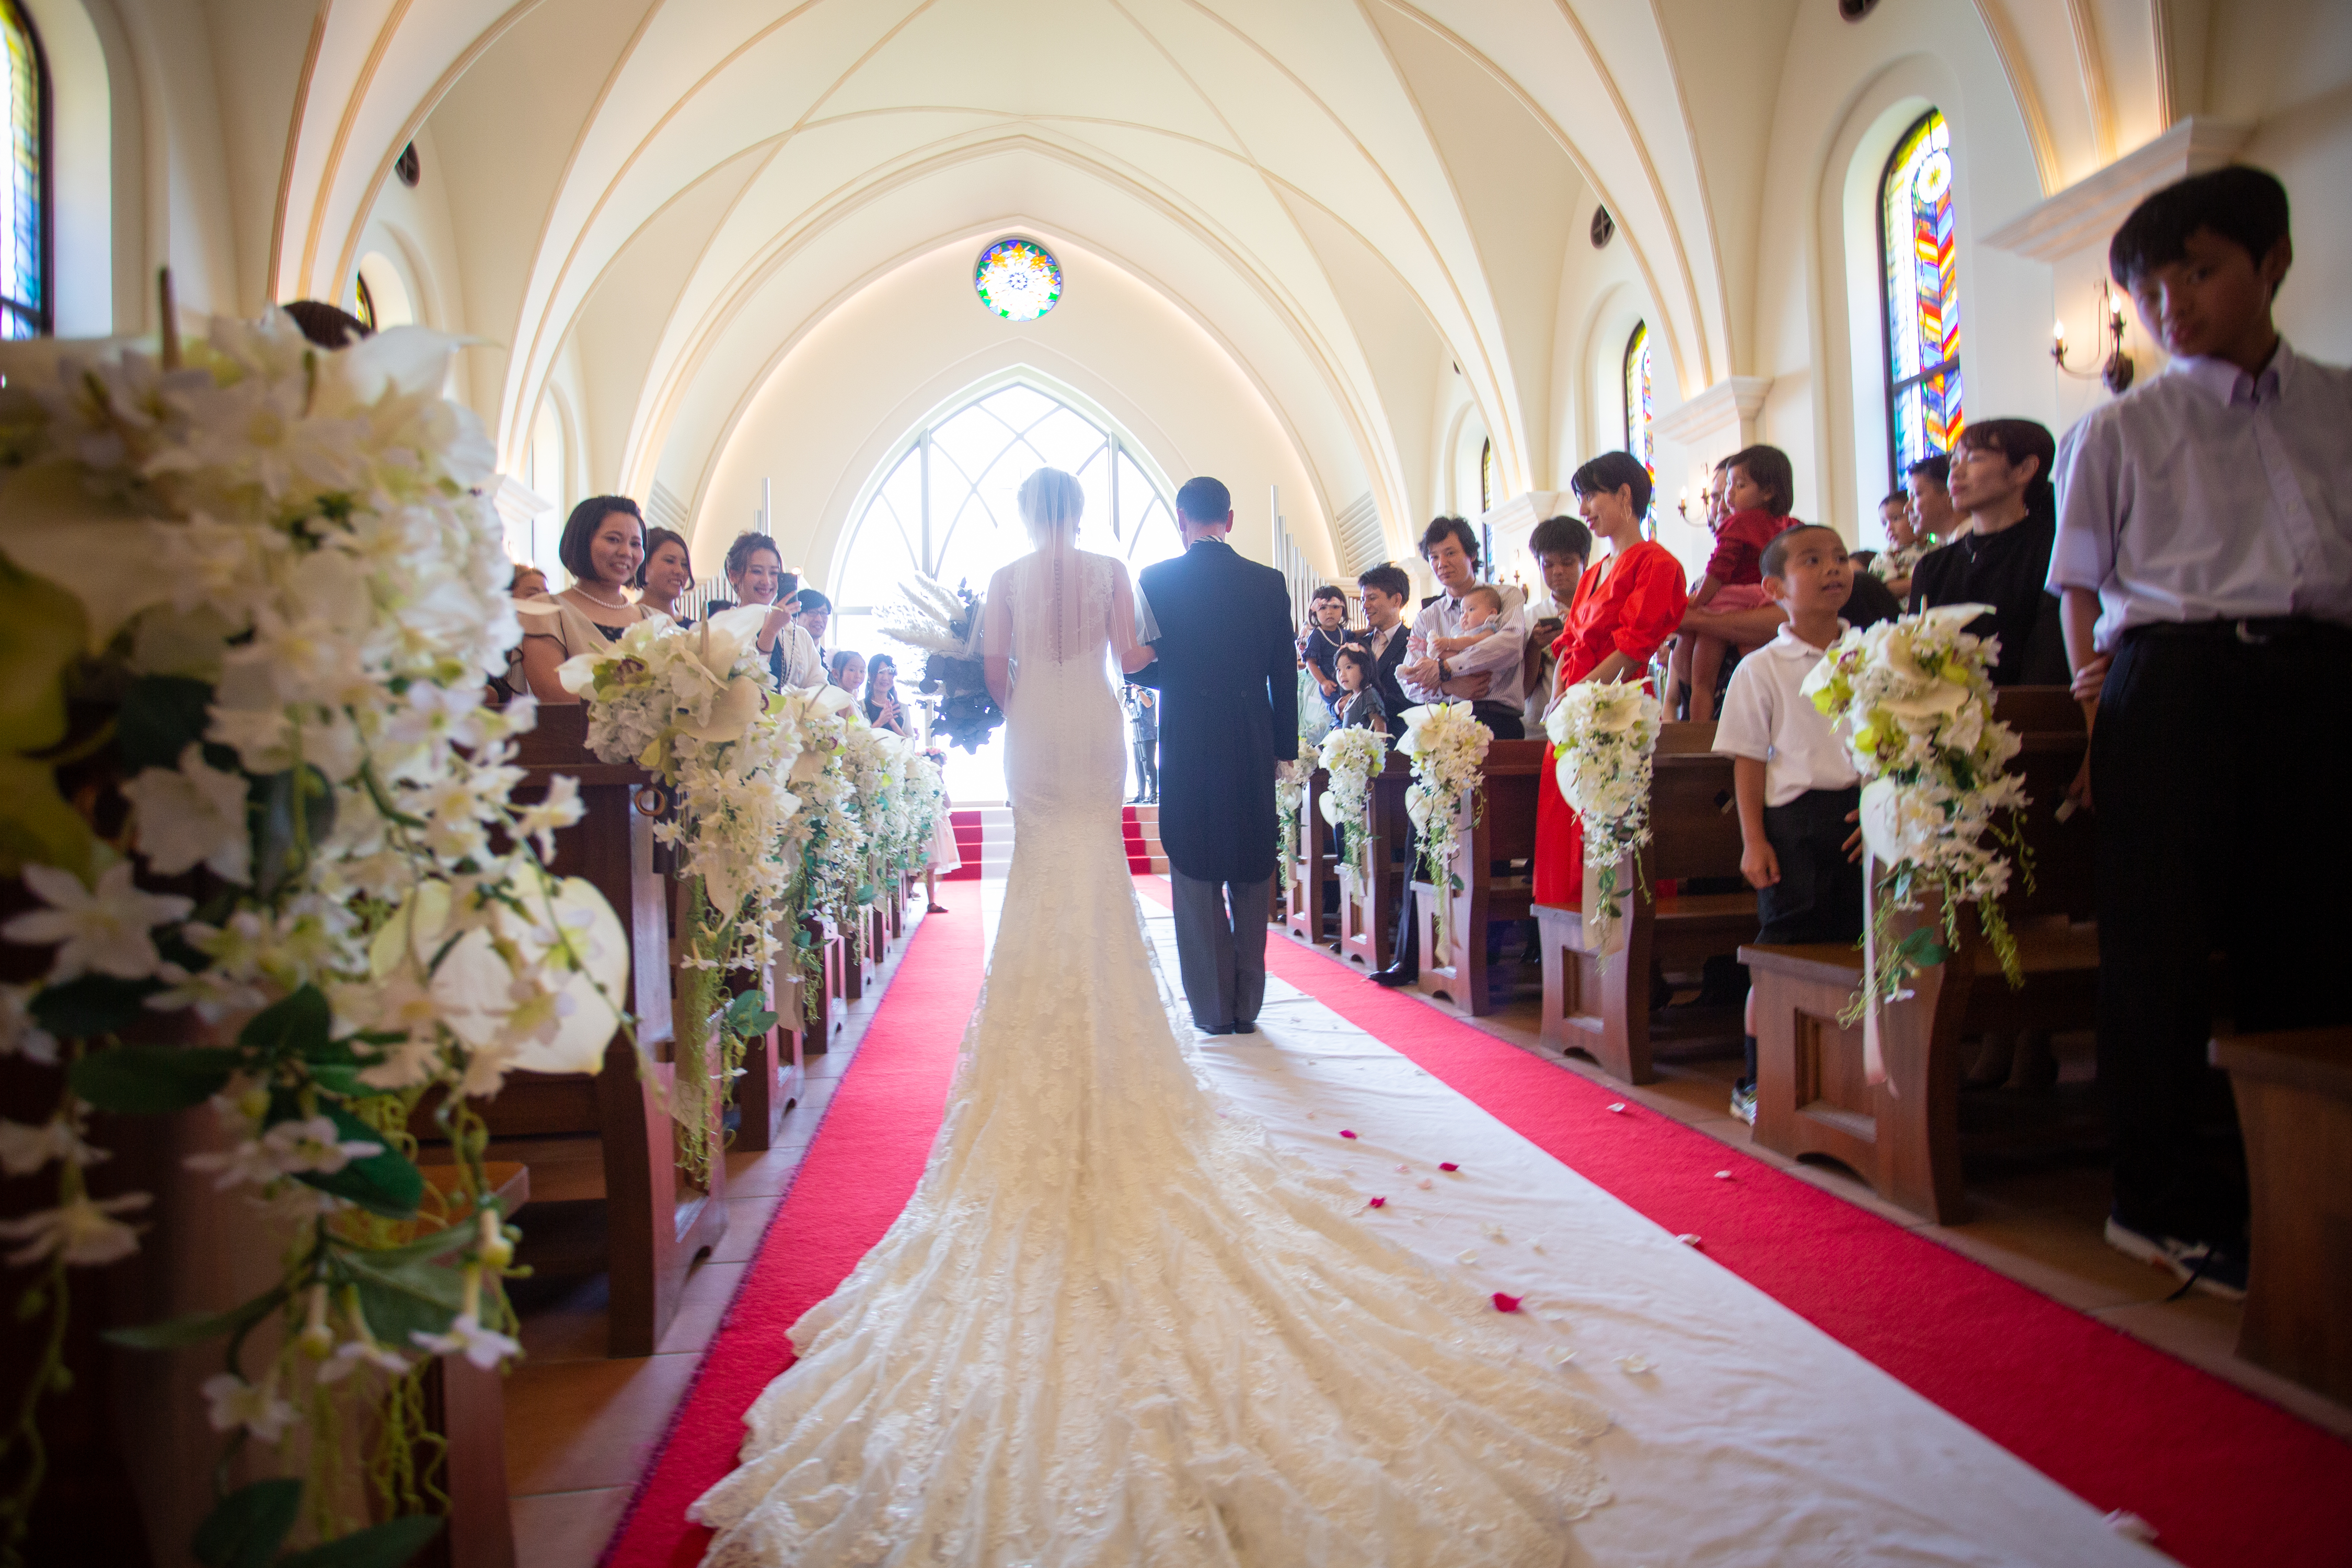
<point x="1228" y="681"/>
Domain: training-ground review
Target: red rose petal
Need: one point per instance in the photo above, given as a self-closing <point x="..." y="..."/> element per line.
<point x="1345" y="1133"/>
<point x="1377" y="1203"/>
<point x="1449" y="1165"/>
<point x="1507" y="1303"/>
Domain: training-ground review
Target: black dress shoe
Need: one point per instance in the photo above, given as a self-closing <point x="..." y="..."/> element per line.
<point x="1226" y="1030"/>
<point x="1245" y="1028"/>
<point x="1393" y="977"/>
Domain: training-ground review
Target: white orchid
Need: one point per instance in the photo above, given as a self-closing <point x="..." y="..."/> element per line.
<point x="255" y="1407"/>
<point x="20" y="1034"/>
<point x="26" y="1147"/>
<point x="466" y="1337"/>
<point x="191" y="814"/>
<point x="104" y="927"/>
<point x="314" y="1145"/>
<point x="356" y="1353"/>
<point x="83" y="1231"/>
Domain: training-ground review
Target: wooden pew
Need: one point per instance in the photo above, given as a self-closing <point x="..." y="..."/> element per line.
<point x="608" y="1139"/>
<point x="1495" y="823"/>
<point x="1368" y="910"/>
<point x="2295" y="1104"/>
<point x="1604" y="1009"/>
<point x="1306" y="865"/>
<point x="775" y="1065"/>
<point x="826" y="996"/>
<point x="465" y="1418"/>
<point x="1902" y="1136"/>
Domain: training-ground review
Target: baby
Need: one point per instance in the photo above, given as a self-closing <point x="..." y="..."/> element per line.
<point x="1480" y="608"/>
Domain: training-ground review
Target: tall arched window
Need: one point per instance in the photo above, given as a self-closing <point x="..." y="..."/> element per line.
<point x="1639" y="409"/>
<point x="1921" y="282"/>
<point x="25" y="185"/>
<point x="948" y="509"/>
<point x="1490" y="485"/>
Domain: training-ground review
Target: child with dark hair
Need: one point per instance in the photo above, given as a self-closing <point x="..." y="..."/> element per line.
<point x="1326" y="633"/>
<point x="1932" y="521"/>
<point x="2000" y="477"/>
<point x="1759" y="487"/>
<point x="2206" y="568"/>
<point x="1361" y="707"/>
<point x="1561" y="546"/>
<point x="1796" y="785"/>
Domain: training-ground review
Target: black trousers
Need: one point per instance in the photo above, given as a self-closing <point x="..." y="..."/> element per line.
<point x="1146" y="768"/>
<point x="2216" y="770"/>
<point x="1508" y="725"/>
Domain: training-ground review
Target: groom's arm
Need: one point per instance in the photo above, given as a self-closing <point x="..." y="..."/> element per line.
<point x="1282" y="673"/>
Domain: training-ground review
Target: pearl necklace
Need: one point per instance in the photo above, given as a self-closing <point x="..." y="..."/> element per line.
<point x="582" y="589"/>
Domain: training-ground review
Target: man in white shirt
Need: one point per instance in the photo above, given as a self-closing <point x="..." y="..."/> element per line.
<point x="1485" y="675"/>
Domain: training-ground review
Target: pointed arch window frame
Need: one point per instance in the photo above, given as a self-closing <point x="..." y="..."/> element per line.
<point x="1635" y="378"/>
<point x="38" y="317"/>
<point x="1947" y="366"/>
<point x="930" y="552"/>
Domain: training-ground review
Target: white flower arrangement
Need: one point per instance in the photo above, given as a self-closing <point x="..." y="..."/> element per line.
<point x="1913" y="703"/>
<point x="694" y="708"/>
<point x="1447" y="745"/>
<point x="264" y="580"/>
<point x="1350" y="758"/>
<point x="1606" y="733"/>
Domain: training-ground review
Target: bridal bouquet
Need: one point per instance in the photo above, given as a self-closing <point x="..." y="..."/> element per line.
<point x="1605" y="733"/>
<point x="1352" y="757"/>
<point x="262" y="823"/>
<point x="1447" y="747"/>
<point x="1913" y="700"/>
<point x="944" y="626"/>
<point x="693" y="707"/>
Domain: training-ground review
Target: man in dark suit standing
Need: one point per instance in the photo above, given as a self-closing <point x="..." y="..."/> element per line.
<point x="1228" y="683"/>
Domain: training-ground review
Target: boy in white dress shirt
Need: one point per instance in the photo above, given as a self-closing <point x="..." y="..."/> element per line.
<point x="1797" y="787"/>
<point x="2204" y="563"/>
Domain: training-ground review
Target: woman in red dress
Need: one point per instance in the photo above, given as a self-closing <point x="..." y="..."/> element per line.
<point x="1626" y="606"/>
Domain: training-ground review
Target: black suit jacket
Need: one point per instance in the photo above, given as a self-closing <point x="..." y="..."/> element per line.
<point x="1227" y="673"/>
<point x="1394" y="700"/>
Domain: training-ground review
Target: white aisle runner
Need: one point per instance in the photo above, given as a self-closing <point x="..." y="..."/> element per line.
<point x="1745" y="1435"/>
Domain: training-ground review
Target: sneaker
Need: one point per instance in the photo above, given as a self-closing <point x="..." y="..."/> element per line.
<point x="1743" y="1102"/>
<point x="2199" y="1264"/>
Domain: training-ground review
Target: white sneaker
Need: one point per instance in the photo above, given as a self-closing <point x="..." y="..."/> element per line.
<point x="2216" y="1271"/>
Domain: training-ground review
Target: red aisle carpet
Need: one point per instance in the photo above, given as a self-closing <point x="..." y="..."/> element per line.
<point x="858" y="1173"/>
<point x="2230" y="1481"/>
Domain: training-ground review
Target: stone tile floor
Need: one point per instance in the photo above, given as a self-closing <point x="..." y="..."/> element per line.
<point x="581" y="1428"/>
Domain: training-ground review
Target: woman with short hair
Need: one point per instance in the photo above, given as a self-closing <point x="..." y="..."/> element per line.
<point x="604" y="545"/>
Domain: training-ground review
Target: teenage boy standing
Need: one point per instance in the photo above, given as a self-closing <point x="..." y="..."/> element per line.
<point x="2204" y="560"/>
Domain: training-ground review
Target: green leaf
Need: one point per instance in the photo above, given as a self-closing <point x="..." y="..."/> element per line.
<point x="432" y="1246"/>
<point x="148" y="1080"/>
<point x="388" y="1184"/>
<point x="195" y="1329"/>
<point x="246" y="1530"/>
<point x="92" y="1004"/>
<point x="278" y="850"/>
<point x="386" y="1545"/>
<point x="748" y="1015"/>
<point x="295" y="1026"/>
<point x="161" y="715"/>
<point x="408" y="1297"/>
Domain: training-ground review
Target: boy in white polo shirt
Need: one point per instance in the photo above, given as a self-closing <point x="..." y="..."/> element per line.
<point x="1798" y="790"/>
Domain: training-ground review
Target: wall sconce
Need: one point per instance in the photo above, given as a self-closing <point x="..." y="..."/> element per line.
<point x="2115" y="371"/>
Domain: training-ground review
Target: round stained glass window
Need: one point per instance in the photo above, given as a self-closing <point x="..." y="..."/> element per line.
<point x="1018" y="279"/>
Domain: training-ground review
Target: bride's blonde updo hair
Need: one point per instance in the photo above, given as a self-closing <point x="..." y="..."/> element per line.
<point x="1051" y="503"/>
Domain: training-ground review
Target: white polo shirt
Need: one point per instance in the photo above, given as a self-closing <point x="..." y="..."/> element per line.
<point x="1765" y="716"/>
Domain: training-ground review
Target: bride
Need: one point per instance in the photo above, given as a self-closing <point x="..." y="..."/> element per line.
<point x="1113" y="1327"/>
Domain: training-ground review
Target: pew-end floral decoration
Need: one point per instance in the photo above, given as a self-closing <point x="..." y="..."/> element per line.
<point x="1349" y="758"/>
<point x="1606" y="737"/>
<point x="1913" y="703"/>
<point x="1447" y="745"/>
<point x="260" y="822"/>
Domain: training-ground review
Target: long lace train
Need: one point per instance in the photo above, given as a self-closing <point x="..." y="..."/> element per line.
<point x="1113" y="1327"/>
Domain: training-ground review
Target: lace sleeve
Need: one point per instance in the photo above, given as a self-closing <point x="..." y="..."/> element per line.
<point x="1123" y="622"/>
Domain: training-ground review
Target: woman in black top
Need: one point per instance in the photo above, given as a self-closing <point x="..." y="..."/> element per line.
<point x="882" y="708"/>
<point x="2000" y="478"/>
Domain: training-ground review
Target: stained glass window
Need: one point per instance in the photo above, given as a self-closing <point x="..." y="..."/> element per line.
<point x="1018" y="279"/>
<point x="1638" y="406"/>
<point x="24" y="189"/>
<point x="1923" y="296"/>
<point x="1490" y="484"/>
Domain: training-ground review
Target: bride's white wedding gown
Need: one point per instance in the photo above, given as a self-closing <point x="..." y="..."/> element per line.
<point x="1114" y="1328"/>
